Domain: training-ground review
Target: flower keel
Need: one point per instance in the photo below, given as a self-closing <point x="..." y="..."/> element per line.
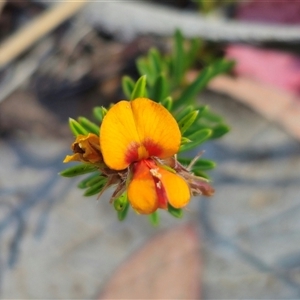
<point x="153" y="187"/>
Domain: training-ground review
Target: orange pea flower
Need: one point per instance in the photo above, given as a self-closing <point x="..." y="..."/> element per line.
<point x="136" y="152"/>
<point x="138" y="135"/>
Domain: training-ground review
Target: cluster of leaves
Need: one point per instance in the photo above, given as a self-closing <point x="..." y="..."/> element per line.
<point x="208" y="6"/>
<point x="163" y="79"/>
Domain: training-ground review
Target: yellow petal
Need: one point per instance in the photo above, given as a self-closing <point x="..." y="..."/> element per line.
<point x="141" y="190"/>
<point x="118" y="136"/>
<point x="74" y="157"/>
<point x="136" y="130"/>
<point x="157" y="128"/>
<point x="177" y="190"/>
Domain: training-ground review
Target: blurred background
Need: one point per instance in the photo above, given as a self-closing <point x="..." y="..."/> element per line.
<point x="60" y="59"/>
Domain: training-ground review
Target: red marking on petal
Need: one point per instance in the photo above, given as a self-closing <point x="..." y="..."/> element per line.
<point x="150" y="163"/>
<point x="161" y="194"/>
<point x="146" y="165"/>
<point x="152" y="148"/>
<point x="132" y="153"/>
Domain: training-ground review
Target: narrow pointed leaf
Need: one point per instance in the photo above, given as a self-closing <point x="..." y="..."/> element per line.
<point x="204" y="165"/>
<point x="202" y="80"/>
<point x="200" y="165"/>
<point x="219" y="130"/>
<point x="139" y="88"/>
<point x="95" y="180"/>
<point x="197" y="138"/>
<point x="78" y="170"/>
<point x="96" y="188"/>
<point x="127" y="86"/>
<point x="202" y="174"/>
<point x="167" y="103"/>
<point x="155" y="61"/>
<point x="77" y="128"/>
<point x="121" y="202"/>
<point x="160" y="88"/>
<point x="183" y="112"/>
<point x="85" y="182"/>
<point x="175" y="212"/>
<point x="145" y="70"/>
<point x="210" y="116"/>
<point x="178" y="58"/>
<point x="154" y="218"/>
<point x="104" y="111"/>
<point x="171" y="170"/>
<point x="123" y="213"/>
<point x="185" y="122"/>
<point x="88" y="125"/>
<point x="142" y="66"/>
<point x="191" y="55"/>
<point x="97" y="113"/>
<point x="184" y="140"/>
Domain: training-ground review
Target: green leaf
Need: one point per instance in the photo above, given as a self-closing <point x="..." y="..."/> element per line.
<point x="200" y="165"/>
<point x="204" y="165"/>
<point x="219" y="130"/>
<point x="183" y="112"/>
<point x="78" y="170"/>
<point x="97" y="113"/>
<point x="191" y="55"/>
<point x="121" y="202"/>
<point x="210" y="116"/>
<point x="86" y="182"/>
<point x="184" y="140"/>
<point x="95" y="180"/>
<point x="160" y="90"/>
<point x="96" y="188"/>
<point x="171" y="170"/>
<point x="142" y="66"/>
<point x="139" y="88"/>
<point x="88" y="125"/>
<point x="193" y="89"/>
<point x="197" y="126"/>
<point x="167" y="103"/>
<point x="155" y="61"/>
<point x="202" y="80"/>
<point x="127" y="86"/>
<point x="154" y="218"/>
<point x="145" y="69"/>
<point x="178" y="58"/>
<point x="175" y="212"/>
<point x="185" y="122"/>
<point x="77" y="128"/>
<point x="197" y="138"/>
<point x="201" y="174"/>
<point x="123" y="213"/>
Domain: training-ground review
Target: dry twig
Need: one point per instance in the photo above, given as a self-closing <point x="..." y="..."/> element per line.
<point x="2" y="3"/>
<point x="128" y="19"/>
<point x="38" y="28"/>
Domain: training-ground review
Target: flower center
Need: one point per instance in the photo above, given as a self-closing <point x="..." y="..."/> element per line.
<point x="138" y="151"/>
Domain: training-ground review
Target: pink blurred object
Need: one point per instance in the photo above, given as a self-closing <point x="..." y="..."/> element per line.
<point x="169" y="266"/>
<point x="279" y="11"/>
<point x="274" y="68"/>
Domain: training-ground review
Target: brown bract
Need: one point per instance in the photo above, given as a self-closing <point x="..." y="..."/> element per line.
<point x="86" y="148"/>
